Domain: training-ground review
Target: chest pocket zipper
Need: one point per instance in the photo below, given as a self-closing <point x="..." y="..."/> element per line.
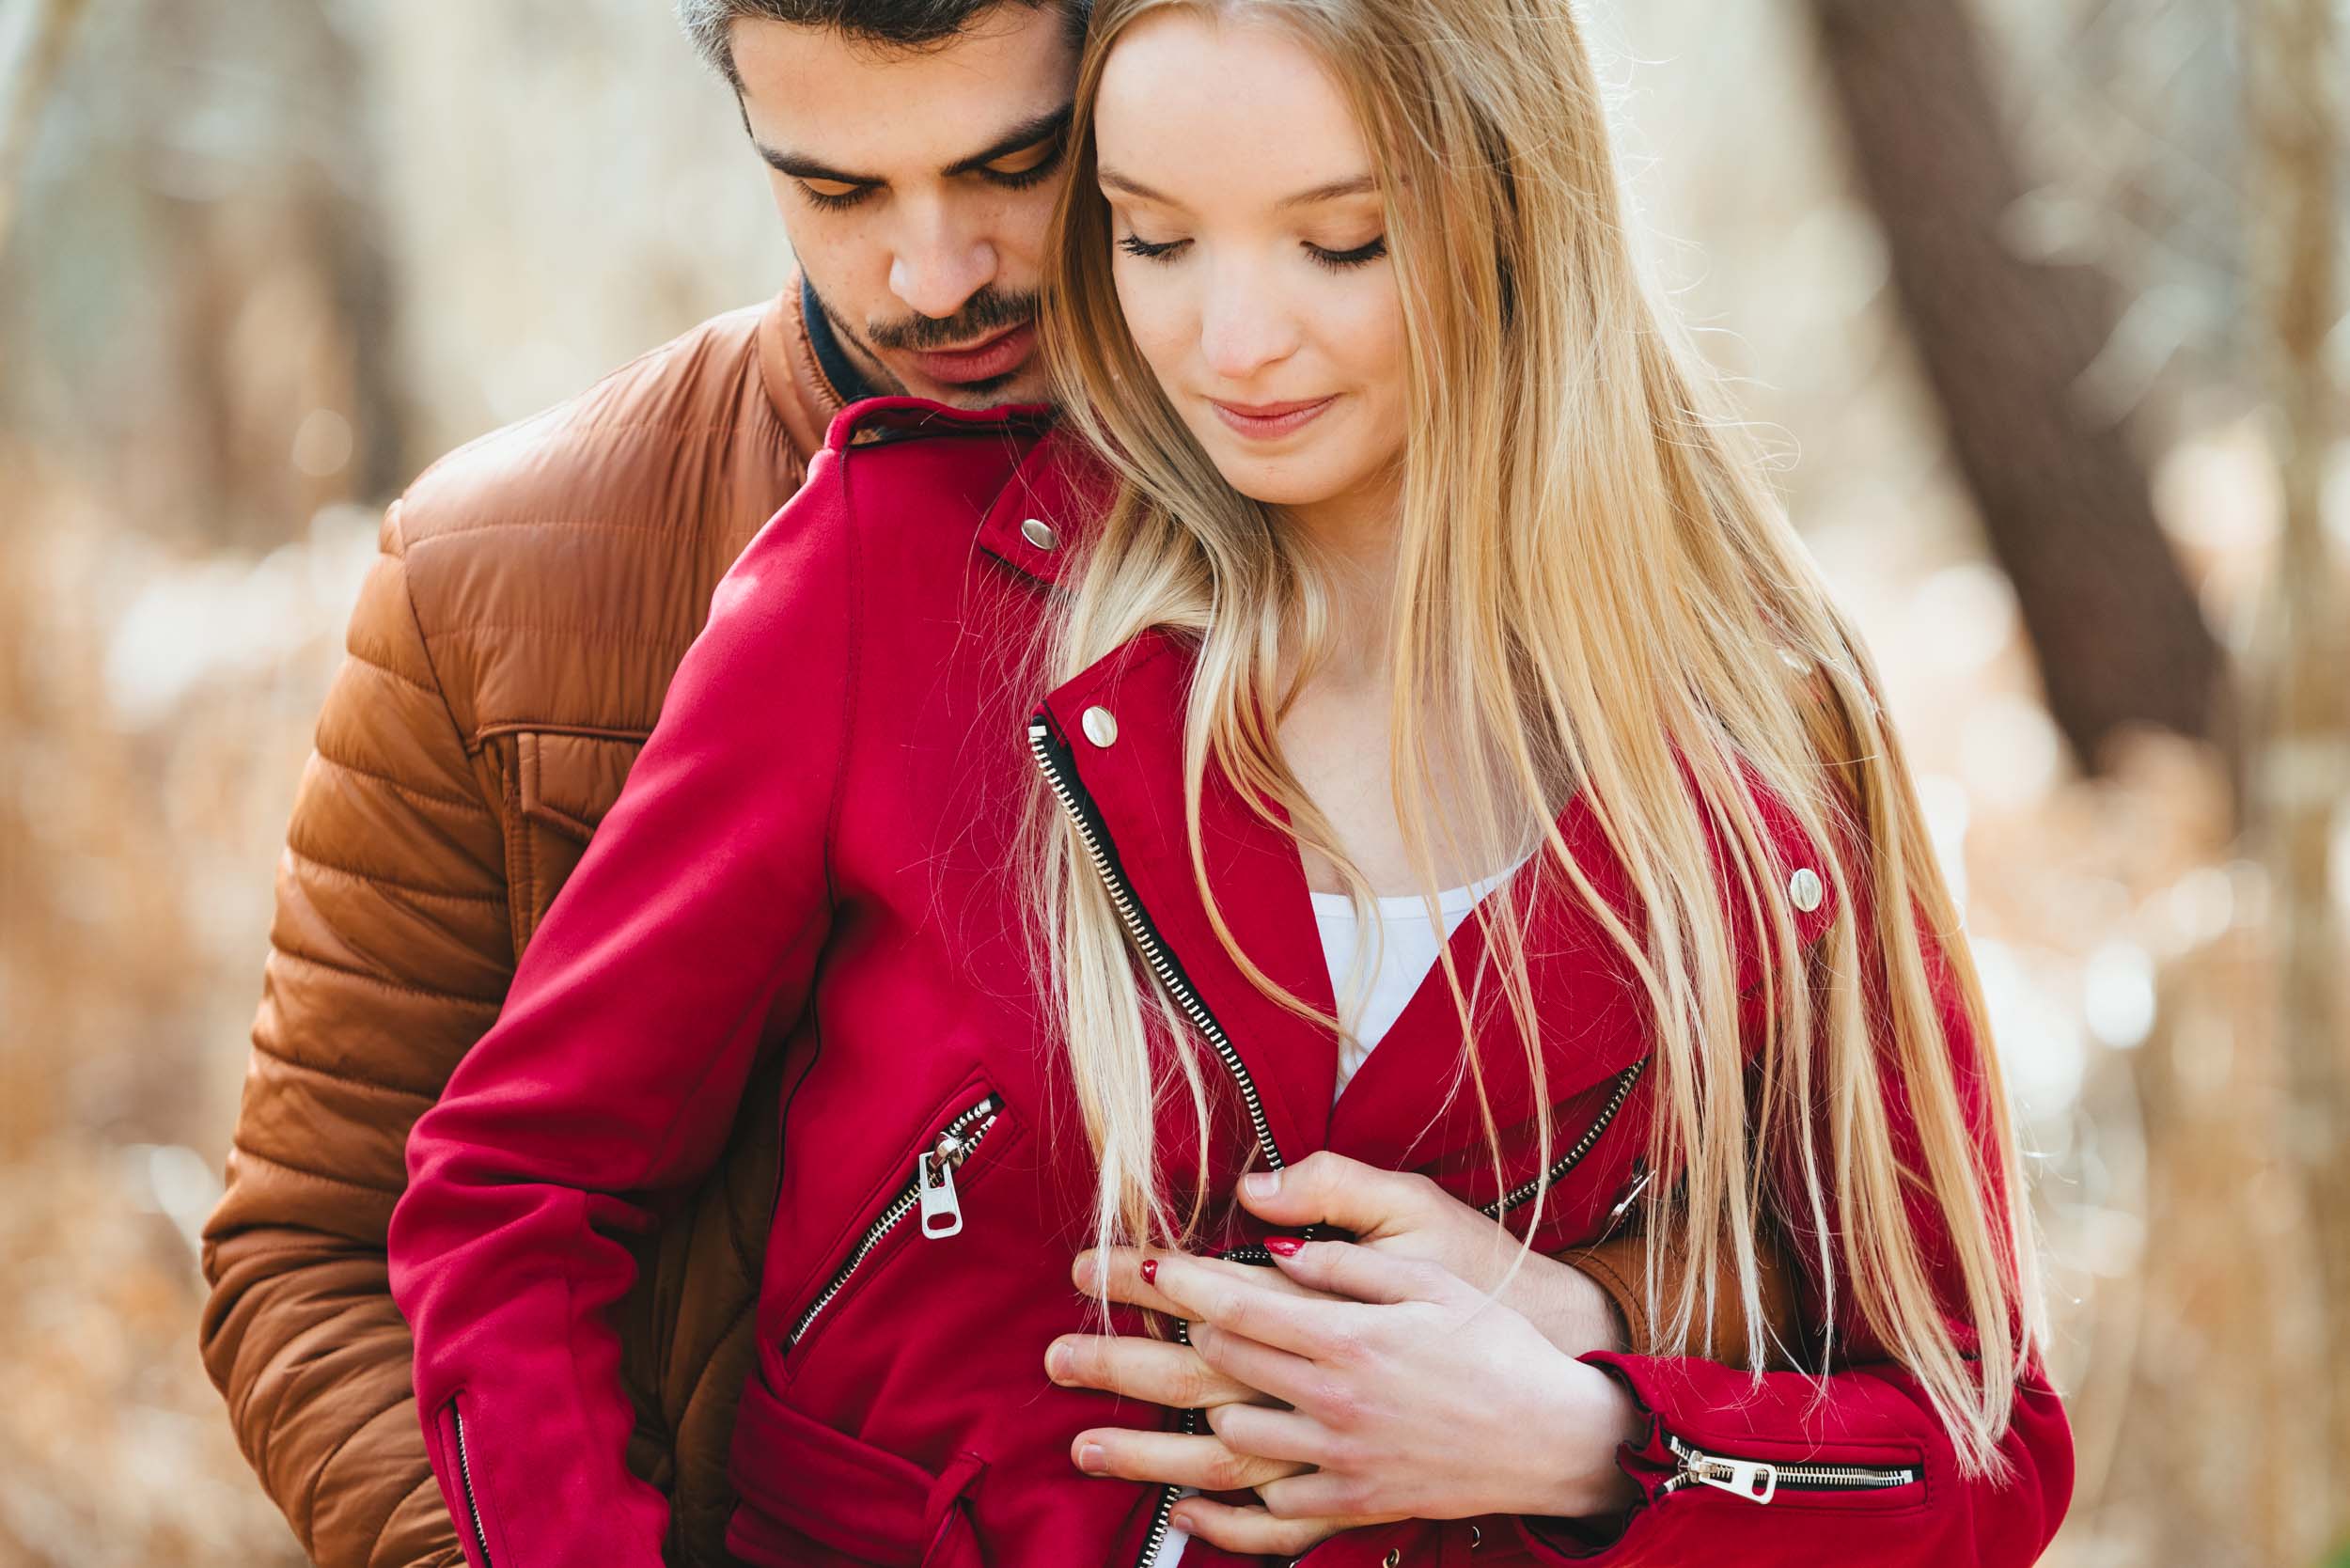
<point x="929" y="1191"/>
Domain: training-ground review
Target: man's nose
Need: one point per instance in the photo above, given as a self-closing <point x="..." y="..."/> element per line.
<point x="940" y="263"/>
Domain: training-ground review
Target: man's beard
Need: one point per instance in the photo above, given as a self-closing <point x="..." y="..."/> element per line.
<point x="983" y="315"/>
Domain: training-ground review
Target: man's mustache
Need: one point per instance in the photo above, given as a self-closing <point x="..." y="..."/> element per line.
<point x="983" y="315"/>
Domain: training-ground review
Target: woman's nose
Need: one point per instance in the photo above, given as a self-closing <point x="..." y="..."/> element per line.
<point x="1243" y="328"/>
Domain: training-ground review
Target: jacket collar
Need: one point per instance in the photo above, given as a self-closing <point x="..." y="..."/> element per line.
<point x="1410" y="1102"/>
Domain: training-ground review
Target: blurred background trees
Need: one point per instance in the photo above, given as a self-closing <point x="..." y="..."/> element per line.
<point x="2041" y="298"/>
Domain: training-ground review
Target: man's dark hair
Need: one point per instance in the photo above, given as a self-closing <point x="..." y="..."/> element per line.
<point x="890" y="24"/>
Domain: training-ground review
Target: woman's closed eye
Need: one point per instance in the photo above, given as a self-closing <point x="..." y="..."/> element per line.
<point x="1134" y="244"/>
<point x="1336" y="261"/>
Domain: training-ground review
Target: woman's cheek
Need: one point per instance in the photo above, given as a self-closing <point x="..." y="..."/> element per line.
<point x="1153" y="318"/>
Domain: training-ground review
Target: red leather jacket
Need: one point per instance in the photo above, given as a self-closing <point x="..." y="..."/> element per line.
<point x="809" y="858"/>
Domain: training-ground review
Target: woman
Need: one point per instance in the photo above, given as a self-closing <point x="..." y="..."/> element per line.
<point x="1025" y="783"/>
<point x="1428" y="481"/>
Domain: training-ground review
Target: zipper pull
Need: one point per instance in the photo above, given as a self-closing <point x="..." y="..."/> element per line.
<point x="1755" y="1480"/>
<point x="935" y="1179"/>
<point x="1631" y="1193"/>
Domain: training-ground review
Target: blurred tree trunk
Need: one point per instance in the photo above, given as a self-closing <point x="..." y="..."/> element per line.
<point x="25" y="81"/>
<point x="2003" y="341"/>
<point x="2301" y="770"/>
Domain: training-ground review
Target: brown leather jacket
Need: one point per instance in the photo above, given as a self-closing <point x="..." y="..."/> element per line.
<point x="509" y="654"/>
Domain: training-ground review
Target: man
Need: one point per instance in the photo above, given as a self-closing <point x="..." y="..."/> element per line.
<point x="509" y="654"/>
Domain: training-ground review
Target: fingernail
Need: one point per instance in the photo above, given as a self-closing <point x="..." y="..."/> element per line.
<point x="1285" y="1245"/>
<point x="1261" y="1183"/>
<point x="1150" y="1271"/>
<point x="1091" y="1459"/>
<point x="1058" y="1360"/>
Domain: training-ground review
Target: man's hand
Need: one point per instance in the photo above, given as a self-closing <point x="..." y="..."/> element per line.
<point x="1167" y="1373"/>
<point x="1403" y="1217"/>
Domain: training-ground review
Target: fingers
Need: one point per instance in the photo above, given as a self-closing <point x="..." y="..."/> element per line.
<point x="1289" y="1378"/>
<point x="1159" y="1370"/>
<point x="1267" y="1433"/>
<point x="1261" y="1307"/>
<point x="1175" y="1458"/>
<point x="1254" y="1532"/>
<point x="1359" y="1273"/>
<point x="1126" y="1282"/>
<point x="1330" y="1188"/>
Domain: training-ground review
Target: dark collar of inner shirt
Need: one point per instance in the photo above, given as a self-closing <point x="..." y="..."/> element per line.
<point x="844" y="376"/>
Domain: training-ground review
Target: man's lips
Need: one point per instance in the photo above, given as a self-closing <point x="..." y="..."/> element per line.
<point x="982" y="361"/>
<point x="1265" y="421"/>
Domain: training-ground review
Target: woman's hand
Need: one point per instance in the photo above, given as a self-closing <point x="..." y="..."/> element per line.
<point x="1405" y="1216"/>
<point x="1365" y="1382"/>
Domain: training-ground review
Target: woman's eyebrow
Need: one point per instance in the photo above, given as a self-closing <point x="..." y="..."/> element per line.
<point x="1135" y="188"/>
<point x="1361" y="184"/>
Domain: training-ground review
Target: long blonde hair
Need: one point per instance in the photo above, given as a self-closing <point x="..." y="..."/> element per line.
<point x="1595" y="591"/>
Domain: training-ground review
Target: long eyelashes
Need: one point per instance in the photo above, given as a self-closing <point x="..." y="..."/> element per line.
<point x="1134" y="244"/>
<point x="1336" y="260"/>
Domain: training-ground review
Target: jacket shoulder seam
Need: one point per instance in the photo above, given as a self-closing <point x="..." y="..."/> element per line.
<point x="438" y="687"/>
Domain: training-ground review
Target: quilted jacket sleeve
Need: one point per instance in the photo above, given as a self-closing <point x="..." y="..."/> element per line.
<point x="376" y="982"/>
<point x="611" y="1079"/>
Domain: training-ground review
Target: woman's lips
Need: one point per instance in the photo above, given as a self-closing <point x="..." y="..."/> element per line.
<point x="999" y="356"/>
<point x="1268" y="421"/>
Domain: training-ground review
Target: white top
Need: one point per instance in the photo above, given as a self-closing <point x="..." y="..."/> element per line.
<point x="1395" y="954"/>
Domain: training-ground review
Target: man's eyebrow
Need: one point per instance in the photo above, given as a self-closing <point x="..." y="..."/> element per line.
<point x="1021" y="137"/>
<point x="1018" y="139"/>
<point x="1359" y="185"/>
<point x="801" y="166"/>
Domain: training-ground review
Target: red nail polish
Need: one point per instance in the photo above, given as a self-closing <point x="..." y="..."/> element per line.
<point x="1285" y="1245"/>
<point x="1150" y="1271"/>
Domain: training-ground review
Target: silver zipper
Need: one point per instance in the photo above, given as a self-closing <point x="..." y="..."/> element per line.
<point x="1759" y="1479"/>
<point x="464" y="1477"/>
<point x="1069" y="791"/>
<point x="931" y="1189"/>
<point x="1572" y="1157"/>
<point x="1146" y="939"/>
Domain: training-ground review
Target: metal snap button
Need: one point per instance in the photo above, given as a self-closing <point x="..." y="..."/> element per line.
<point x="1039" y="533"/>
<point x="1476" y="1537"/>
<point x="1100" y="725"/>
<point x="1805" y="889"/>
<point x="1395" y="1554"/>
